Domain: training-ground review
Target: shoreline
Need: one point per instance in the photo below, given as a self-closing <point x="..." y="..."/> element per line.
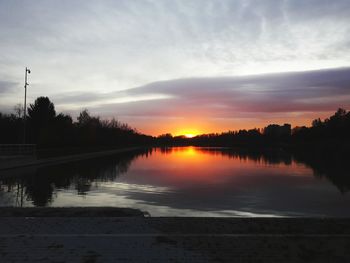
<point x="70" y="212"/>
<point x="174" y="224"/>
<point x="20" y="163"/>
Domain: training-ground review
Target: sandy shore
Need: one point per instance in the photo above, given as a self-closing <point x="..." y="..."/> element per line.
<point x="127" y="236"/>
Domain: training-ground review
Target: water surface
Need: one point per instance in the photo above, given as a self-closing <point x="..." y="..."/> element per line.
<point x="187" y="181"/>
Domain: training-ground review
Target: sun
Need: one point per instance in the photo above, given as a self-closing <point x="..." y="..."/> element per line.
<point x="188" y="133"/>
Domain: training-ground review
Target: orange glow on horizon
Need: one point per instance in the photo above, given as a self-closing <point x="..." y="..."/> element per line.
<point x="188" y="133"/>
<point x="196" y="126"/>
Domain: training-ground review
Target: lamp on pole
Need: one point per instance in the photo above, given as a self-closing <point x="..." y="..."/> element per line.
<point x="25" y="104"/>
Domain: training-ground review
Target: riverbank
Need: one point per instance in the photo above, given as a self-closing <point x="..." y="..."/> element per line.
<point x="13" y="163"/>
<point x="69" y="212"/>
<point x="137" y="239"/>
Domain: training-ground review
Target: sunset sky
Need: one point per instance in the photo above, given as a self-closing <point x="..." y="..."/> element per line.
<point x="184" y="67"/>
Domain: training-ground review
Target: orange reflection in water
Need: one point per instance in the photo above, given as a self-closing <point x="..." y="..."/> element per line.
<point x="188" y="165"/>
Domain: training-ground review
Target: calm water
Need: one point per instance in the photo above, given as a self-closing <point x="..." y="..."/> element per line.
<point x="188" y="181"/>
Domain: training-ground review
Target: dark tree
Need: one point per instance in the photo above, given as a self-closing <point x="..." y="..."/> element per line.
<point x="48" y="130"/>
<point x="41" y="116"/>
<point x="11" y="129"/>
<point x="317" y="123"/>
<point x="41" y="112"/>
<point x="64" y="120"/>
<point x="84" y="118"/>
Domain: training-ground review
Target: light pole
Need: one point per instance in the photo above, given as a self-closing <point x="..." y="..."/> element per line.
<point x="25" y="104"/>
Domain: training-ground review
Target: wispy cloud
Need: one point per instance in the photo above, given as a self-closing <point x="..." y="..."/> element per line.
<point x="235" y="100"/>
<point x="301" y="91"/>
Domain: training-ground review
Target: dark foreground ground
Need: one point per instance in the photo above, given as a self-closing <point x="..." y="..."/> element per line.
<point x="125" y="235"/>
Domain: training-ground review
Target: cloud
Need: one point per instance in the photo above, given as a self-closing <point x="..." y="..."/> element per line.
<point x="230" y="101"/>
<point x="94" y="53"/>
<point x="122" y="44"/>
<point x="322" y="90"/>
<point x="7" y="86"/>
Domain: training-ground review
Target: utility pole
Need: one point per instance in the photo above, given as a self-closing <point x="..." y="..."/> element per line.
<point x="25" y="104"/>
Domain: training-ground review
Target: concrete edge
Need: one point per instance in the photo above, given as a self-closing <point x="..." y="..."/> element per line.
<point x="70" y="212"/>
<point x="66" y="159"/>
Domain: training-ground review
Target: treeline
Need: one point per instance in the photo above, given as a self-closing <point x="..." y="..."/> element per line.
<point x="246" y="138"/>
<point x="331" y="133"/>
<point x="230" y="138"/>
<point x="334" y="128"/>
<point x="47" y="129"/>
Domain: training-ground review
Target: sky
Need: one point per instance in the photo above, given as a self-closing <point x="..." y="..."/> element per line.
<point x="184" y="67"/>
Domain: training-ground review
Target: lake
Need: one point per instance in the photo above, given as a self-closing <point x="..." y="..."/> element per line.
<point x="188" y="181"/>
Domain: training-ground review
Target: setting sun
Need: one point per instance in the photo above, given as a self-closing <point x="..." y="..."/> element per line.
<point x="188" y="133"/>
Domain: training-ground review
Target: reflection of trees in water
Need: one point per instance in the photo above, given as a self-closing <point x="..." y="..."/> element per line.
<point x="166" y="150"/>
<point x="16" y="191"/>
<point x="335" y="167"/>
<point x="271" y="156"/>
<point x="39" y="185"/>
<point x="105" y="170"/>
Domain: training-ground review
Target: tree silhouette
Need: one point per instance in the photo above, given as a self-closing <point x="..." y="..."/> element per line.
<point x="41" y="112"/>
<point x="86" y="120"/>
<point x="49" y="130"/>
<point x="41" y="115"/>
<point x="64" y="120"/>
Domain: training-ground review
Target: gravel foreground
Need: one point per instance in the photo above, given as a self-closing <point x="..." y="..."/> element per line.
<point x="126" y="235"/>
